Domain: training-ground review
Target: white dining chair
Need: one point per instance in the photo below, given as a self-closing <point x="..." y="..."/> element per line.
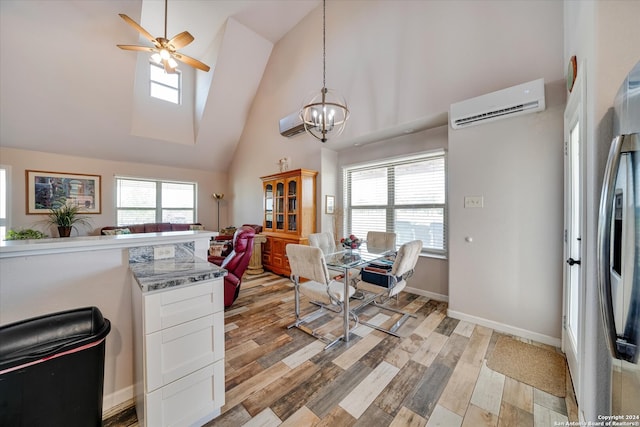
<point x="327" y="243"/>
<point x="381" y="240"/>
<point x="393" y="283"/>
<point x="308" y="263"/>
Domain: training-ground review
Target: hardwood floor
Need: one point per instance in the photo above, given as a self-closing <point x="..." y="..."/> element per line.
<point x="434" y="375"/>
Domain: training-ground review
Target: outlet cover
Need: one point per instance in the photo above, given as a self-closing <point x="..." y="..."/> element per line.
<point x="473" y="201"/>
<point x="163" y="252"/>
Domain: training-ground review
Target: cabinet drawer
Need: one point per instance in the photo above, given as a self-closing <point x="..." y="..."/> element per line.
<point x="188" y="401"/>
<point x="167" y="308"/>
<point x="175" y="352"/>
<point x="266" y="259"/>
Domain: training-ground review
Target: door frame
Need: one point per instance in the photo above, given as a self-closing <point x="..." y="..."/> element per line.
<point x="575" y="112"/>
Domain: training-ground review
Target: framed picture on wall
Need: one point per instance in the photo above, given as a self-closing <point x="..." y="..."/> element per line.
<point x="330" y="204"/>
<point x="51" y="189"/>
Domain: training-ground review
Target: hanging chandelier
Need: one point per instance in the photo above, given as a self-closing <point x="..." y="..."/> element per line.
<point x="327" y="111"/>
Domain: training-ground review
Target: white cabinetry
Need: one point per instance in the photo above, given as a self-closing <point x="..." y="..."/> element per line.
<point x="179" y="354"/>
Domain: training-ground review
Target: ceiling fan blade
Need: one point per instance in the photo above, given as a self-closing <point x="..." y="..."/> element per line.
<point x="141" y="30"/>
<point x="191" y="61"/>
<point x="139" y="48"/>
<point x="180" y="41"/>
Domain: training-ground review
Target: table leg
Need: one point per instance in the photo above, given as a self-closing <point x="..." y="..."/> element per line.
<point x="346" y="304"/>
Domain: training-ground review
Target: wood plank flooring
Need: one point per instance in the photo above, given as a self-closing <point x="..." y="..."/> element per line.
<point x="434" y="375"/>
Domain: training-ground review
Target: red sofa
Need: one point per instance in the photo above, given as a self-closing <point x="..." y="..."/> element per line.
<point x="152" y="227"/>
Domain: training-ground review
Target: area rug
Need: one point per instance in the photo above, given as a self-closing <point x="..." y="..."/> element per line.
<point x="536" y="366"/>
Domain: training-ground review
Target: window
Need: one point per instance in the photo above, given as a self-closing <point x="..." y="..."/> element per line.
<point x="406" y="196"/>
<point x="4" y="200"/>
<point x="163" y="85"/>
<point x="141" y="201"/>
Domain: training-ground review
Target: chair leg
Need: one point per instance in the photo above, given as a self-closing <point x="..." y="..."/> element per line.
<point x="300" y="322"/>
<point x="371" y="299"/>
<point x="296" y="290"/>
<point x="335" y="341"/>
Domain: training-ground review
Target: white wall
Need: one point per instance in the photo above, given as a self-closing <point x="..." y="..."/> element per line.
<point x="329" y="178"/>
<point x="406" y="60"/>
<point x="21" y="160"/>
<point x="604" y="37"/>
<point x="509" y="276"/>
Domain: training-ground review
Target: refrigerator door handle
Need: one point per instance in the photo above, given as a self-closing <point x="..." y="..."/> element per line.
<point x="603" y="252"/>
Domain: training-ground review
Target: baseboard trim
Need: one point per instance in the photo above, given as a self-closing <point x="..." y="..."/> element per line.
<point x="118" y="401"/>
<point x="501" y="327"/>
<point x="432" y="295"/>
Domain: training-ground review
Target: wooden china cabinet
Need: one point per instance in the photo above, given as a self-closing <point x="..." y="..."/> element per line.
<point x="289" y="215"/>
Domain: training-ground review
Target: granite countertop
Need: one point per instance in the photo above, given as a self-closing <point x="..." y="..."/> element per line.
<point x="168" y="273"/>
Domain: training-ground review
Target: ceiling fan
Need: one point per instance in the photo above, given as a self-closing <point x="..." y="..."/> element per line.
<point x="165" y="50"/>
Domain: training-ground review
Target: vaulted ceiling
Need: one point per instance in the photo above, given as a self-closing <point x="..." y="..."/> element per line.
<point x="66" y="88"/>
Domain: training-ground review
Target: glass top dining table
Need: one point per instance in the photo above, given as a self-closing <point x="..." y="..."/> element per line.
<point x="353" y="258"/>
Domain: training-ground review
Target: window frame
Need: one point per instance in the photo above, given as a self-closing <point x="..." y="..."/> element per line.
<point x="152" y="81"/>
<point x="5" y="220"/>
<point x="158" y="209"/>
<point x="390" y="207"/>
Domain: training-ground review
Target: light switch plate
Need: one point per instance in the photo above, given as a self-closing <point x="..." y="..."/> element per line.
<point x="473" y="201"/>
<point x="163" y="252"/>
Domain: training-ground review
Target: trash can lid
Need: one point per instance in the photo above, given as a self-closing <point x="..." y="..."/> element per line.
<point x="44" y="336"/>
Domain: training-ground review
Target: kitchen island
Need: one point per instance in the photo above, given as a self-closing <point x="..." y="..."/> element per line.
<point x="44" y="276"/>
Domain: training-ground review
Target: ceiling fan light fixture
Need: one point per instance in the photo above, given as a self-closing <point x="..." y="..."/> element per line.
<point x="165" y="50"/>
<point x="327" y="111"/>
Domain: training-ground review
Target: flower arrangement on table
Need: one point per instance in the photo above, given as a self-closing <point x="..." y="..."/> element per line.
<point x="351" y="242"/>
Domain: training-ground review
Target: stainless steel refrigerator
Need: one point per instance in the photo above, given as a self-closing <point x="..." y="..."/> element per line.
<point x="619" y="250"/>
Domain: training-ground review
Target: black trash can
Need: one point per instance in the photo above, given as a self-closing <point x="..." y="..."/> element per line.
<point x="52" y="369"/>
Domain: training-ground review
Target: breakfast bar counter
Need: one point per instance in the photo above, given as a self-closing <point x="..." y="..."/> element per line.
<point x="39" y="277"/>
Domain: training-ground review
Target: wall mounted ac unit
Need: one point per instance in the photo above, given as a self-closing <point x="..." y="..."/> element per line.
<point x="291" y="125"/>
<point x="514" y="101"/>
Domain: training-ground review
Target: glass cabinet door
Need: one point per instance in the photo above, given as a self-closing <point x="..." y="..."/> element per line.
<point x="268" y="206"/>
<point x="292" y="205"/>
<point x="279" y="199"/>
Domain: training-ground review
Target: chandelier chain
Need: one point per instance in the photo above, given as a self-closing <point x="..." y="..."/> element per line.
<point x="326" y="112"/>
<point x="324" y="44"/>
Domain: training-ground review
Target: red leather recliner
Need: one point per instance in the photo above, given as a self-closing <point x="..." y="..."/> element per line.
<point x="236" y="262"/>
<point x="228" y="243"/>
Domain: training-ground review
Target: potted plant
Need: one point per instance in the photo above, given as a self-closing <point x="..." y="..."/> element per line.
<point x="24" y="234"/>
<point x="65" y="216"/>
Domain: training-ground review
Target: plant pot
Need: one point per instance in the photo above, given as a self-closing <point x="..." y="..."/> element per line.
<point x="64" y="231"/>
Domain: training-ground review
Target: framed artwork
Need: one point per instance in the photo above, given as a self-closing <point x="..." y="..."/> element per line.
<point x="330" y="204"/>
<point x="51" y="189"/>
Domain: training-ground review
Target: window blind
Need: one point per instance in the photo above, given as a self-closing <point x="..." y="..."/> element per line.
<point x="406" y="196"/>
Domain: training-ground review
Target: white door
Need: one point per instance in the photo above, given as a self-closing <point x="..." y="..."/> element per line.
<point x="573" y="310"/>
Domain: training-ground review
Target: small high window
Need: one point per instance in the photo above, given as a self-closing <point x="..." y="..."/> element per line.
<point x="163" y="85"/>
